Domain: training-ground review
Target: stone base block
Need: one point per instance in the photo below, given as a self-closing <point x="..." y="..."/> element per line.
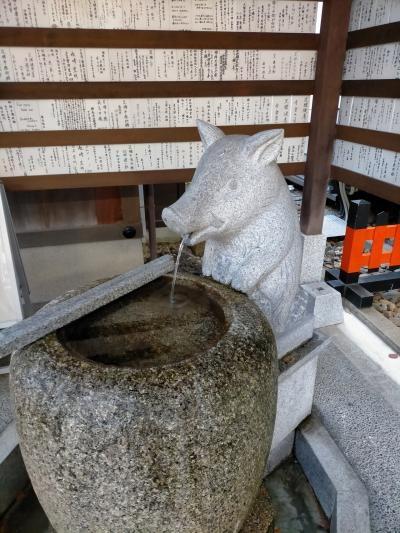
<point x="328" y="308"/>
<point x="295" y="395"/>
<point x="299" y="333"/>
<point x="280" y="453"/>
<point x="313" y="257"/>
<point x="339" y="490"/>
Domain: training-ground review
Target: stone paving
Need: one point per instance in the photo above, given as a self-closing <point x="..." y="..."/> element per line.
<point x="359" y="405"/>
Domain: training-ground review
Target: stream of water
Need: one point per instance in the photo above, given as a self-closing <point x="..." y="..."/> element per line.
<point x="178" y="259"/>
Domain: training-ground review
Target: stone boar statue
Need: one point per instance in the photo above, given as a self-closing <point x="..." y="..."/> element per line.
<point x="239" y="204"/>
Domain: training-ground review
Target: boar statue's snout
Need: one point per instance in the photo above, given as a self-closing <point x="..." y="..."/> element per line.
<point x="173" y="221"/>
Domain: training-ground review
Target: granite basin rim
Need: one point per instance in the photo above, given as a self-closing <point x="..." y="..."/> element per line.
<point x="218" y="308"/>
<point x="231" y="303"/>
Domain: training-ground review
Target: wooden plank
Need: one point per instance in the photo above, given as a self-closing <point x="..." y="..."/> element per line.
<point x="373" y="88"/>
<point x="328" y="80"/>
<point x="147" y="89"/>
<point x="385" y="33"/>
<point x="56" y="209"/>
<point x="379" y="139"/>
<point x="108" y="205"/>
<point x="96" y="38"/>
<point x="114" y="179"/>
<point x="376" y="187"/>
<point x="137" y="135"/>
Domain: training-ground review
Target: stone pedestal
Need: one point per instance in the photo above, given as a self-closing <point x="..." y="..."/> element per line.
<point x="326" y="302"/>
<point x="296" y="383"/>
<point x="328" y="308"/>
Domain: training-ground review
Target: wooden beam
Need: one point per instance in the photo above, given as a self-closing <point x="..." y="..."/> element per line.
<point x="147" y="89"/>
<point x="114" y="179"/>
<point x="137" y="135"/>
<point x="385" y="33"/>
<point x="328" y="81"/>
<point x="96" y="38"/>
<point x="379" y="188"/>
<point x="372" y="88"/>
<point x="379" y="139"/>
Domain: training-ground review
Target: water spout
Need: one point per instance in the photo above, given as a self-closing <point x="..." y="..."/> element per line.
<point x="178" y="258"/>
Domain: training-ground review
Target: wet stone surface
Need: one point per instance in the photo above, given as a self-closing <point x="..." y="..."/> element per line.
<point x="296" y="507"/>
<point x="155" y="442"/>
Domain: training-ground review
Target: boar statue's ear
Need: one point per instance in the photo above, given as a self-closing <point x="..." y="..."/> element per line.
<point x="265" y="146"/>
<point x="208" y="133"/>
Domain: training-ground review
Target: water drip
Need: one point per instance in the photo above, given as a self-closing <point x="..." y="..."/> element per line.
<point x="178" y="259"/>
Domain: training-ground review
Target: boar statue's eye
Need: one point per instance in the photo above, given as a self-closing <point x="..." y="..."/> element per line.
<point x="233" y="184"/>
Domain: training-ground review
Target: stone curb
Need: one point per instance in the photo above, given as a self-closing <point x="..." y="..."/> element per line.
<point x="378" y="323"/>
<point x="339" y="490"/>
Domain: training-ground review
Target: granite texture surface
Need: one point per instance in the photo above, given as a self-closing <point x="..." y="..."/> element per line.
<point x="365" y="424"/>
<point x="328" y="308"/>
<point x="296" y="387"/>
<point x="312" y="260"/>
<point x="279" y="453"/>
<point x="239" y="204"/>
<point x="301" y="331"/>
<point x="5" y="404"/>
<point x="261" y="517"/>
<point x="166" y="447"/>
<point x="49" y="319"/>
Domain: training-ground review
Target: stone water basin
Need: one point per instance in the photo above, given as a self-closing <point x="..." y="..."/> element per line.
<point x="145" y="418"/>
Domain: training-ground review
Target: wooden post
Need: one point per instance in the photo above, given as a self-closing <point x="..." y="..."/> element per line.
<point x="328" y="81"/>
<point x="151" y="219"/>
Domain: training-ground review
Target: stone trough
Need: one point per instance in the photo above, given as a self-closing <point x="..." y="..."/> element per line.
<point x="139" y="417"/>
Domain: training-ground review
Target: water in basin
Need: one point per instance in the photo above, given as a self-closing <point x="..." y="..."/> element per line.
<point x="144" y="329"/>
